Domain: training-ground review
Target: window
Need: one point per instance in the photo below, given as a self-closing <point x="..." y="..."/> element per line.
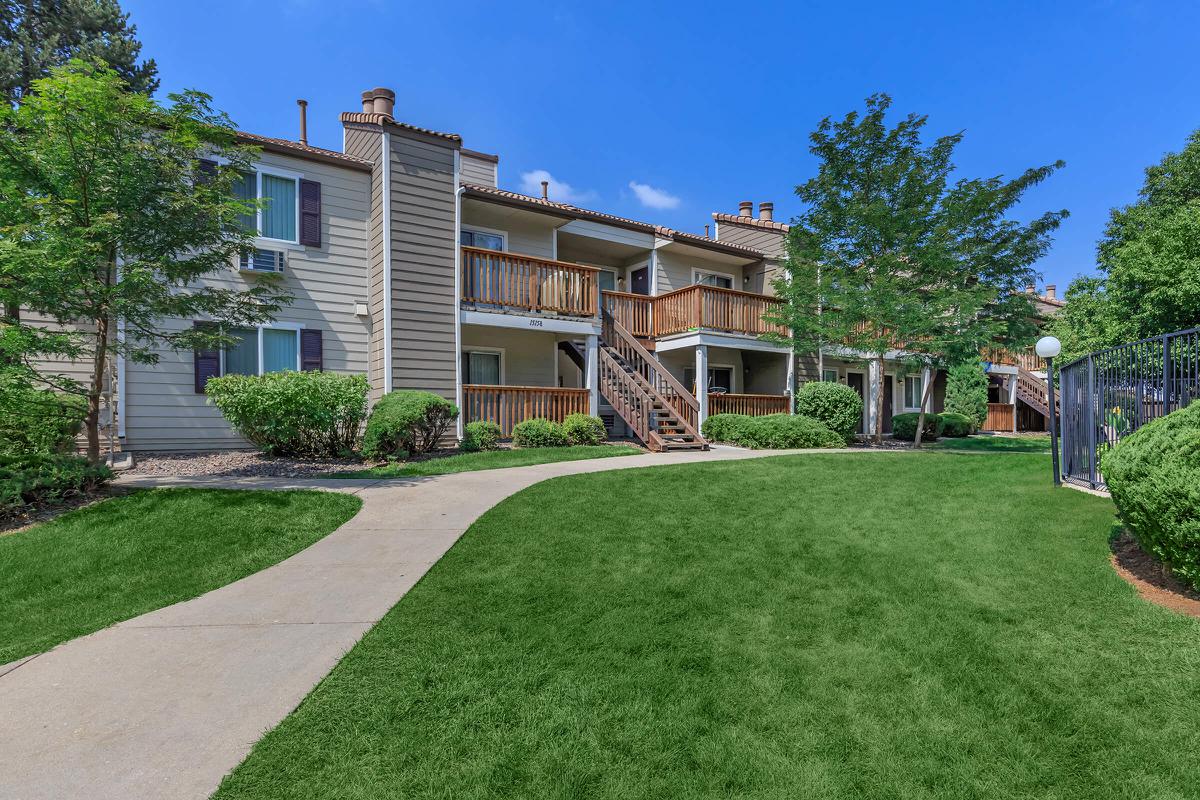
<point x="829" y="375"/>
<point x="712" y="279"/>
<point x="278" y="217"/>
<point x="912" y="391"/>
<point x="483" y="368"/>
<point x="607" y="279"/>
<point x="482" y="239"/>
<point x="262" y="350"/>
<point x="720" y="379"/>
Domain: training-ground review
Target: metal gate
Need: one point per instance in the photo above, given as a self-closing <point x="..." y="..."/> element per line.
<point x="1109" y="394"/>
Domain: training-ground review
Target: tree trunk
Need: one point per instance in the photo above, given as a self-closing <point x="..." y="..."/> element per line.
<point x="12" y="316"/>
<point x="928" y="389"/>
<point x="879" y="404"/>
<point x="99" y="363"/>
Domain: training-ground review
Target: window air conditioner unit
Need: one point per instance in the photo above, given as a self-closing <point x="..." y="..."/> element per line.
<point x="261" y="261"/>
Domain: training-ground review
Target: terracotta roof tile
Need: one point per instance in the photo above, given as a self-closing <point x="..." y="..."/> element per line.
<point x="658" y="230"/>
<point x="737" y="219"/>
<point x="287" y="145"/>
<point x="379" y="119"/>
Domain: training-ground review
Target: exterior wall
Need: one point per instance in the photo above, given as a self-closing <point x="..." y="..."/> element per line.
<point x="162" y="409"/>
<point x="675" y="270"/>
<point x="367" y="143"/>
<point x="530" y="358"/>
<point x="770" y="242"/>
<point x="424" y="244"/>
<point x="676" y="361"/>
<point x="480" y="171"/>
<point x="526" y="234"/>
<point x="767" y="372"/>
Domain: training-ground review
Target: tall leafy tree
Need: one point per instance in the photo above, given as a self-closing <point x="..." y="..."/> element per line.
<point x="1149" y="261"/>
<point x="891" y="259"/>
<point x="112" y="215"/>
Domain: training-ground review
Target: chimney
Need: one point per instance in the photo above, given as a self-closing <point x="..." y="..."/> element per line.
<point x="1050" y="291"/>
<point x="303" y="120"/>
<point x="368" y="101"/>
<point x="706" y="236"/>
<point x="1031" y="288"/>
<point x="545" y="190"/>
<point x="746" y="208"/>
<point x="383" y="101"/>
<point x="765" y="211"/>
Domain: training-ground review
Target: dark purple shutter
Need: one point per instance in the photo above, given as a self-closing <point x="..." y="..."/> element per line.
<point x="310" y="213"/>
<point x="206" y="363"/>
<point x="310" y="350"/>
<point x="206" y="170"/>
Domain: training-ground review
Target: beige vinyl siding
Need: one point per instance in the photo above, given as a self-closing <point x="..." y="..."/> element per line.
<point x="769" y="242"/>
<point x="423" y="261"/>
<point x="530" y="358"/>
<point x="477" y="170"/>
<point x="527" y="234"/>
<point x="163" y="411"/>
<point x="675" y="270"/>
<point x="609" y="233"/>
<point x="367" y="143"/>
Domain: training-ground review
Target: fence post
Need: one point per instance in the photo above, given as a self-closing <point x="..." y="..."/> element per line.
<point x="1166" y="375"/>
<point x="1091" y="422"/>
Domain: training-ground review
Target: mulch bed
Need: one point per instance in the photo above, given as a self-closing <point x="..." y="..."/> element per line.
<point x="1151" y="577"/>
<point x="44" y="513"/>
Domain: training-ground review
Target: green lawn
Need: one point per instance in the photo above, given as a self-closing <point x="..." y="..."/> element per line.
<point x="997" y="444"/>
<point x="112" y="561"/>
<point x="901" y="625"/>
<point x="492" y="459"/>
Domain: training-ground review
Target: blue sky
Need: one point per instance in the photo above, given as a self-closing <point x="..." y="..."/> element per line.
<point x="668" y="112"/>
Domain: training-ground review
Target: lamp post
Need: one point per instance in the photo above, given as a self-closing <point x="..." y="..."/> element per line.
<point x="1048" y="347"/>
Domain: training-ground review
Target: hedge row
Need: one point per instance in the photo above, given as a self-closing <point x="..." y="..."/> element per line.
<point x="770" y="432"/>
<point x="576" y="429"/>
<point x="34" y="480"/>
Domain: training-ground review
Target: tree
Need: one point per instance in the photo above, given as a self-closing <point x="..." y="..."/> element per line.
<point x="1149" y="261"/>
<point x="967" y="392"/>
<point x="37" y="35"/>
<point x="890" y="255"/>
<point x="110" y="219"/>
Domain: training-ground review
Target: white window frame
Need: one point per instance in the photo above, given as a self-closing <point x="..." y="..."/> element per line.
<point x="616" y="277"/>
<point x="498" y="351"/>
<point x="697" y="272"/>
<point x="277" y="172"/>
<point x="490" y="231"/>
<point x="278" y="326"/>
<point x="836" y="376"/>
<point x="920" y="391"/>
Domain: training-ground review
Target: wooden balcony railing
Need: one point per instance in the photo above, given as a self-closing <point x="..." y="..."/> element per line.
<point x="510" y="280"/>
<point x="999" y="418"/>
<point x="714" y="308"/>
<point x="632" y="311"/>
<point x="754" y="405"/>
<point x="508" y="405"/>
<point x="1025" y="359"/>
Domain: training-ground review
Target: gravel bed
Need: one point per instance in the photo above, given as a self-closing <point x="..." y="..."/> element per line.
<point x="235" y="464"/>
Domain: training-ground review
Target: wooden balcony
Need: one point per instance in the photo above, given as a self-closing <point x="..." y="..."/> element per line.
<point x="753" y="405"/>
<point x="508" y="405"/>
<point x="1025" y="359"/>
<point x="632" y="311"/>
<point x="494" y="280"/>
<point x="713" y="308"/>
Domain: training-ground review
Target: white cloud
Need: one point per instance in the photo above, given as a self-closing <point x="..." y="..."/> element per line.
<point x="560" y="192"/>
<point x="653" y="198"/>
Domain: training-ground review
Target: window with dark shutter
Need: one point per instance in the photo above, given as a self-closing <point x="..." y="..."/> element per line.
<point x="206" y="170"/>
<point x="206" y="363"/>
<point x="310" y="213"/>
<point x="310" y="350"/>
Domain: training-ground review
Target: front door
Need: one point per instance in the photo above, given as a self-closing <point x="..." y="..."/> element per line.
<point x="639" y="281"/>
<point x="887" y="403"/>
<point x="855" y="381"/>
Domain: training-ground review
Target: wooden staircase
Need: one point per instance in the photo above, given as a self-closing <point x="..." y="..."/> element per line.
<point x="1032" y="391"/>
<point x="651" y="401"/>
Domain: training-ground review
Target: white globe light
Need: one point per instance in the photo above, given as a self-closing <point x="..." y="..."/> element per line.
<point x="1048" y="347"/>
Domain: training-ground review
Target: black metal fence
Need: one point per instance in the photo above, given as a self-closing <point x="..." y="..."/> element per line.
<point x="1110" y="394"/>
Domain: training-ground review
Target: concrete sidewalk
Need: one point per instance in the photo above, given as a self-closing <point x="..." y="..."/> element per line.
<point x="165" y="704"/>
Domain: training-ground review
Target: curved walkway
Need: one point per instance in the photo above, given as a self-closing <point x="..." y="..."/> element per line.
<point x="165" y="704"/>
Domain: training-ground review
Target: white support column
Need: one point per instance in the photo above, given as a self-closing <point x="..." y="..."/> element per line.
<point x="874" y="387"/>
<point x="1012" y="399"/>
<point x="702" y="382"/>
<point x="926" y="376"/>
<point x="790" y="387"/>
<point x="592" y="374"/>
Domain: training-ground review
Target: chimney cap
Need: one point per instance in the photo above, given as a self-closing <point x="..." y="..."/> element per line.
<point x="766" y="211"/>
<point x="746" y="208"/>
<point x="380" y="100"/>
<point x="545" y="190"/>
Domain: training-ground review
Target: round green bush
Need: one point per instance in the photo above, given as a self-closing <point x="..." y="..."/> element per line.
<point x="785" y="431"/>
<point x="481" y="435"/>
<point x="722" y="427"/>
<point x="539" y="432"/>
<point x="1154" y="477"/>
<point x="836" y="405"/>
<point x="33" y="480"/>
<point x="407" y="420"/>
<point x="584" y="429"/>
<point x="904" y="427"/>
<point x="956" y="426"/>
<point x="38" y="422"/>
<point x="293" y="413"/>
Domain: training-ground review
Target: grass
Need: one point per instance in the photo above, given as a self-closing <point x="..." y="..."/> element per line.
<point x="491" y="459"/>
<point x="902" y="625"/>
<point x="999" y="444"/>
<point x="128" y="555"/>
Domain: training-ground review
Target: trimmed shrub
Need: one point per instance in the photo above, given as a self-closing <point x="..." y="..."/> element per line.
<point x="1154" y="477"/>
<point x="956" y="426"/>
<point x="481" y="435"/>
<point x="294" y="413"/>
<point x="584" y="429"/>
<point x="784" y="431"/>
<point x="722" y="427"/>
<point x="38" y="422"/>
<point x="407" y="421"/>
<point x="835" y="404"/>
<point x="904" y="426"/>
<point x="539" y="432"/>
<point x="967" y="392"/>
<point x="32" y="480"/>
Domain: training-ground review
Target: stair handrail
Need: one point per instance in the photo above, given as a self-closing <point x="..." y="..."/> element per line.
<point x="1034" y="387"/>
<point x="661" y="381"/>
<point x="625" y="387"/>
